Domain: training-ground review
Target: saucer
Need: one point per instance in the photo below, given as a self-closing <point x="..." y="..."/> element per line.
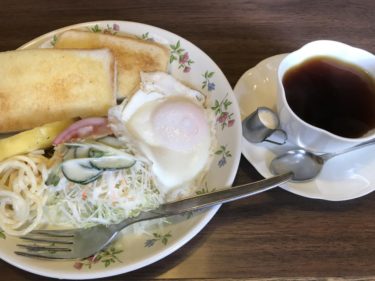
<point x="344" y="177"/>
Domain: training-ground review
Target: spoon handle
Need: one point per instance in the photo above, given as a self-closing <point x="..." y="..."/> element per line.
<point x="328" y="156"/>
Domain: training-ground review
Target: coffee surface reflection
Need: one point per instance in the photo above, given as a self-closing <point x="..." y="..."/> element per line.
<point x="333" y="95"/>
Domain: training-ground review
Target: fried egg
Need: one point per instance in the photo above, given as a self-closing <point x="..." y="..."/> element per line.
<point x="170" y="125"/>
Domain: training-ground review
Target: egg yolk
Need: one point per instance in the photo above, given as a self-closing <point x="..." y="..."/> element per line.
<point x="180" y="125"/>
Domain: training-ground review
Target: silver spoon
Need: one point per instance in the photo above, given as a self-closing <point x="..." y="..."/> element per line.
<point x="305" y="165"/>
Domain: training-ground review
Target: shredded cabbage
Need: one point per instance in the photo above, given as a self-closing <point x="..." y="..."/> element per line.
<point x="115" y="196"/>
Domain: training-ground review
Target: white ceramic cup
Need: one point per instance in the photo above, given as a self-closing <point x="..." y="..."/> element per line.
<point x="301" y="133"/>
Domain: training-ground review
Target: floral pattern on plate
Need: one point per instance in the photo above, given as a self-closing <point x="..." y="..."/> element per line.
<point x="224" y="154"/>
<point x="114" y="29"/>
<point x="181" y="56"/>
<point x="106" y="257"/>
<point x="225" y="118"/>
<point x="207" y="81"/>
<point x="158" y="237"/>
<point x="146" y="36"/>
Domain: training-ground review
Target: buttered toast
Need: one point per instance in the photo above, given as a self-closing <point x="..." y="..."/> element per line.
<point x="132" y="55"/>
<point x="46" y="85"/>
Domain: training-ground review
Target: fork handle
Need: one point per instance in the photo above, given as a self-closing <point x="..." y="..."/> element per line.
<point x="209" y="199"/>
<point x="222" y="196"/>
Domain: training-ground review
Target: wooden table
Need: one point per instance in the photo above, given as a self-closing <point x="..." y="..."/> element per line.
<point x="275" y="235"/>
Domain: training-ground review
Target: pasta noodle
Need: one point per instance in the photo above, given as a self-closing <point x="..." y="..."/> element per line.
<point x="22" y="192"/>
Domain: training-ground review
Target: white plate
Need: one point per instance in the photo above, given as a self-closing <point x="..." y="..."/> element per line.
<point x="134" y="251"/>
<point x="345" y="177"/>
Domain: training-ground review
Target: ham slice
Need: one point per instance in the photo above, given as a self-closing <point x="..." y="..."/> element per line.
<point x="88" y="127"/>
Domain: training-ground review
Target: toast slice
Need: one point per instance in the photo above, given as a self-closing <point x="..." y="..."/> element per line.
<point x="46" y="85"/>
<point x="132" y="55"/>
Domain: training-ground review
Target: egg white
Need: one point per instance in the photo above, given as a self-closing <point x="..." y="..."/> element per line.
<point x="170" y="125"/>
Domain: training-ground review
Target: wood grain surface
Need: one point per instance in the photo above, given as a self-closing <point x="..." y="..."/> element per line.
<point x="272" y="236"/>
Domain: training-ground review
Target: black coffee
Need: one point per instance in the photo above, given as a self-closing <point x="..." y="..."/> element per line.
<point x="332" y="95"/>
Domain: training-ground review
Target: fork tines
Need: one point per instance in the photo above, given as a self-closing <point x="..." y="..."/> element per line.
<point x="55" y="233"/>
<point x="47" y="244"/>
<point x="40" y="256"/>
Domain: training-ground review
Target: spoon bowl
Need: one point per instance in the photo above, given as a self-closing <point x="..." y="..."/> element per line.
<point x="306" y="165"/>
<point x="303" y="164"/>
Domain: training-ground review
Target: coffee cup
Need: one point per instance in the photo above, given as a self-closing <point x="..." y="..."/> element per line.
<point x="326" y="96"/>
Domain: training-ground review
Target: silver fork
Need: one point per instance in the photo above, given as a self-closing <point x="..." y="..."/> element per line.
<point x="82" y="243"/>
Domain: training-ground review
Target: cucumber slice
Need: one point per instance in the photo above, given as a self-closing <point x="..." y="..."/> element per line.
<point x="81" y="152"/>
<point x="87" y="152"/>
<point x="112" y="141"/>
<point x="113" y="162"/>
<point x="53" y="176"/>
<point x="108" y="150"/>
<point x="95" y="153"/>
<point x="80" y="171"/>
<point x="53" y="179"/>
<point x="69" y="153"/>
